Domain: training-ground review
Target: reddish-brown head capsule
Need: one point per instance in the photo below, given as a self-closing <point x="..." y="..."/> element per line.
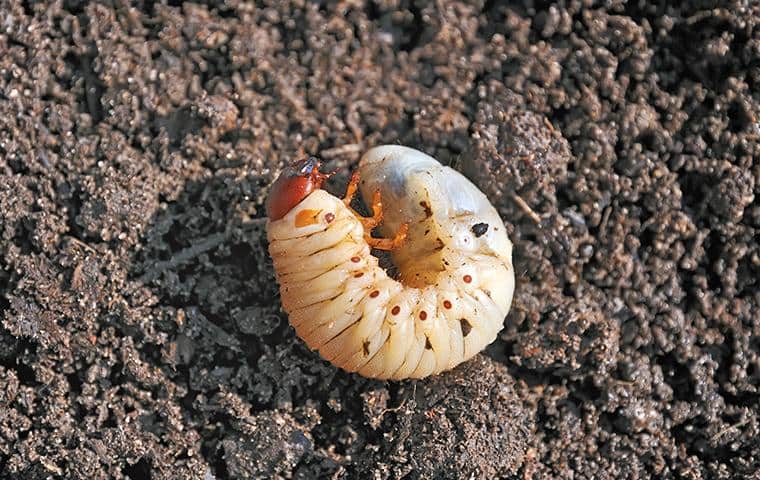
<point x="294" y="184"/>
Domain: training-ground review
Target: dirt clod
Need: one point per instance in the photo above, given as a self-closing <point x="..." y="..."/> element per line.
<point x="467" y="423"/>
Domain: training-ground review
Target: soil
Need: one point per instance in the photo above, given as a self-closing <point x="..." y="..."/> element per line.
<point x="142" y="335"/>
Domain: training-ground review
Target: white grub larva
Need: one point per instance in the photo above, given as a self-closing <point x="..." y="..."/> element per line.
<point x="449" y="245"/>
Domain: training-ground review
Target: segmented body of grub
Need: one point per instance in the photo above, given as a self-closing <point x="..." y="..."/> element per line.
<point x="451" y="249"/>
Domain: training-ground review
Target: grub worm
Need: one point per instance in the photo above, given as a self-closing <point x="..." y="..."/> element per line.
<point x="449" y="245"/>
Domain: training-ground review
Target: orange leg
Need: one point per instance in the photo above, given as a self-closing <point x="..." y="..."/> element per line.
<point x="377" y="212"/>
<point x="353" y="184"/>
<point x="377" y="204"/>
<point x="369" y="223"/>
<point x="390" y="243"/>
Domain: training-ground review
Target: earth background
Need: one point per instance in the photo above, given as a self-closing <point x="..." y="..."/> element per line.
<point x="141" y="333"/>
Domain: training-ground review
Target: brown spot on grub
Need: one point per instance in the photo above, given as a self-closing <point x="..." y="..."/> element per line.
<point x="466" y="327"/>
<point x="426" y="207"/>
<point x="479" y="229"/>
<point x="306" y="217"/>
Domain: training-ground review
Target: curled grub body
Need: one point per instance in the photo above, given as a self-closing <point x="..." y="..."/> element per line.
<point x="456" y="278"/>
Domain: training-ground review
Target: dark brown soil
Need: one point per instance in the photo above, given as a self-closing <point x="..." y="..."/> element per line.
<point x="141" y="332"/>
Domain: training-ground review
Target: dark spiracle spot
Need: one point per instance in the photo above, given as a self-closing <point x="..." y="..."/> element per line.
<point x="479" y="229"/>
<point x="466" y="327"/>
